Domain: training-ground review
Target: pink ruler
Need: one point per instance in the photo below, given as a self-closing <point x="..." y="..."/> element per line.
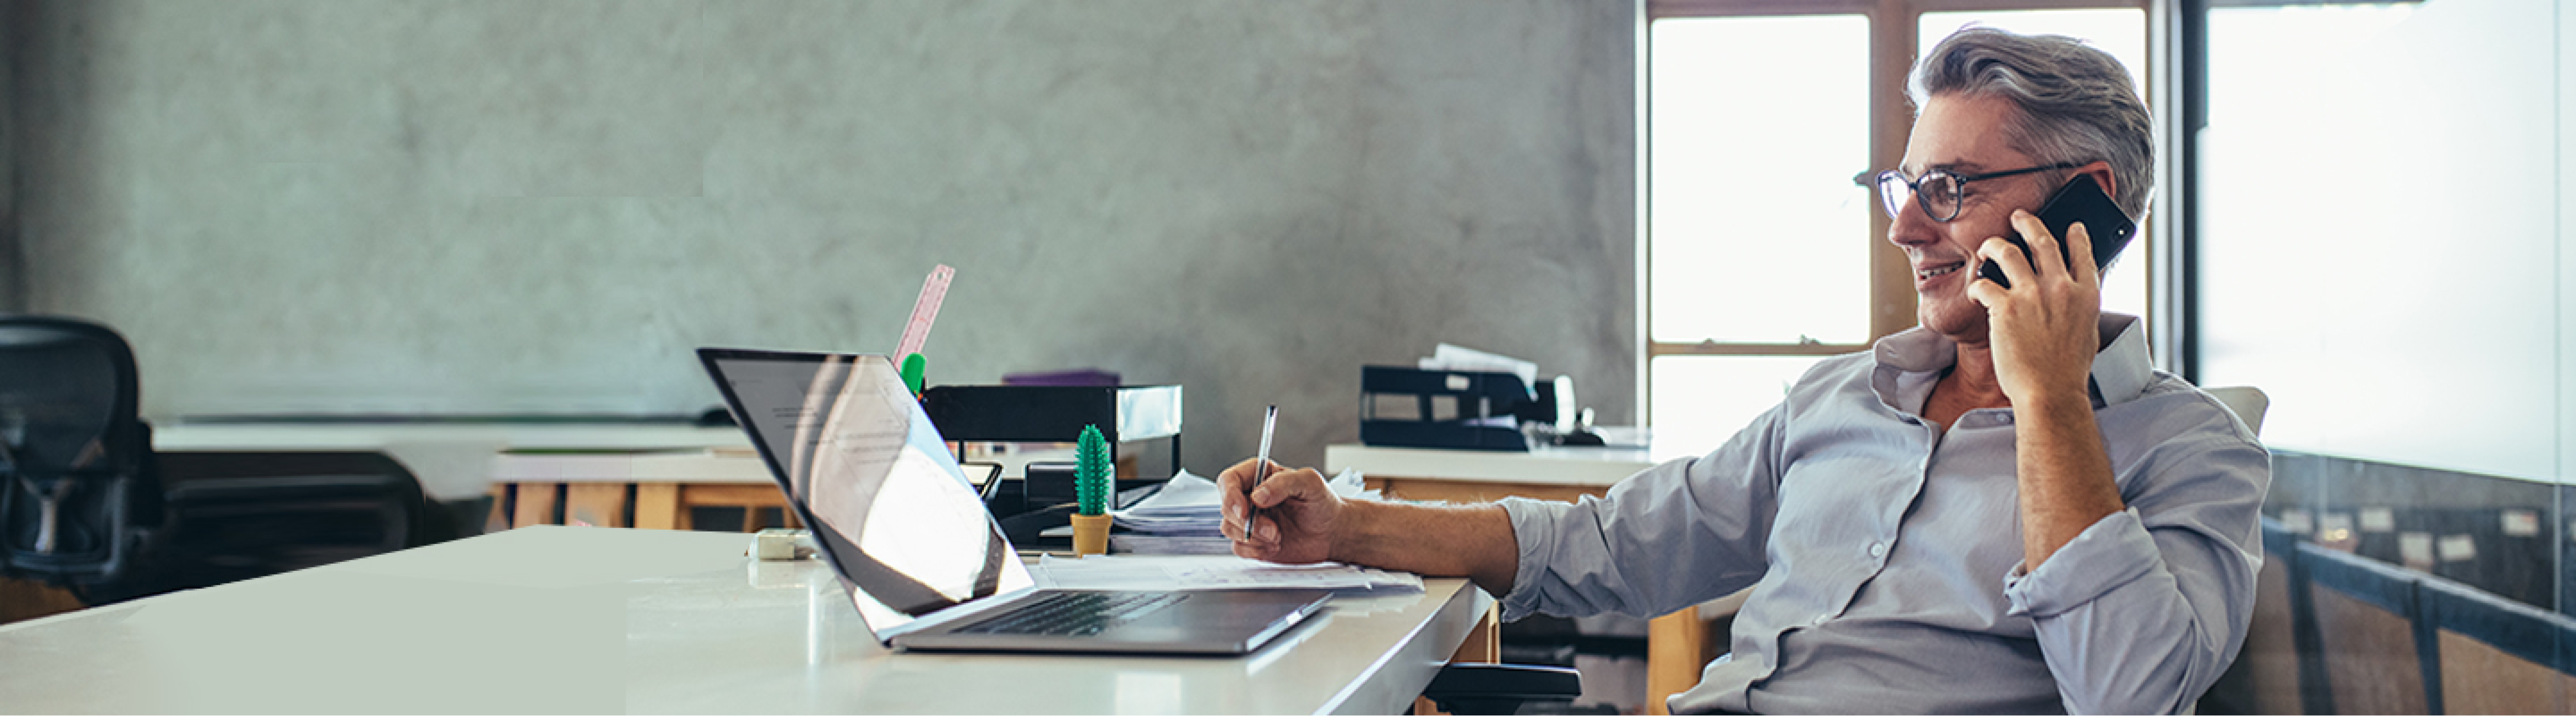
<point x="925" y="310"/>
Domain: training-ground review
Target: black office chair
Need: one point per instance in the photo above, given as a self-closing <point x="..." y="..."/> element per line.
<point x="84" y="505"/>
<point x="236" y="516"/>
<point x="79" y="490"/>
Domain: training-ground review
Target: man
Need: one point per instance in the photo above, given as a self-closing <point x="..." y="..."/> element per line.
<point x="2004" y="509"/>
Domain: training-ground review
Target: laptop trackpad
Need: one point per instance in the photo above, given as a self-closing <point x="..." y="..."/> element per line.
<point x="1237" y="615"/>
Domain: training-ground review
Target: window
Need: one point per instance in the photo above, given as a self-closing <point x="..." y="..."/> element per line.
<point x="1762" y="255"/>
<point x="1760" y="238"/>
<point x="2377" y="197"/>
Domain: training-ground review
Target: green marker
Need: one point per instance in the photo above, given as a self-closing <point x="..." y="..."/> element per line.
<point x="913" y="367"/>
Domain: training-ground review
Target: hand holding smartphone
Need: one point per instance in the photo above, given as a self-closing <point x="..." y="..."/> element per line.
<point x="2080" y="200"/>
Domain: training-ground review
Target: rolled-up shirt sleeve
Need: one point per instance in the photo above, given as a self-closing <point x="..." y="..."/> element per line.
<point x="1677" y="534"/>
<point x="2142" y="611"/>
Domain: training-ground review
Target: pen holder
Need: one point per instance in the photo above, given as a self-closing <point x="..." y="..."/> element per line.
<point x="1090" y="534"/>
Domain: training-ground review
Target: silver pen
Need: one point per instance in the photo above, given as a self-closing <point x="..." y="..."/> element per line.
<point x="1260" y="469"/>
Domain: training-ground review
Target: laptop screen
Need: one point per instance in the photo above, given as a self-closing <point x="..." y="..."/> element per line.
<point x="862" y="464"/>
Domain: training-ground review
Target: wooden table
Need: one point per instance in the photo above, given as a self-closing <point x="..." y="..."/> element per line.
<point x="598" y="488"/>
<point x="556" y="472"/>
<point x="593" y="472"/>
<point x="1678" y="645"/>
<point x="452" y="460"/>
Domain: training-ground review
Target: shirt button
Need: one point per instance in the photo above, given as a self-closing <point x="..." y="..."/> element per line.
<point x="1878" y="549"/>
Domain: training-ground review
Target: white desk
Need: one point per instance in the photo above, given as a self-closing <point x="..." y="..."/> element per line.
<point x="566" y="619"/>
<point x="1430" y="474"/>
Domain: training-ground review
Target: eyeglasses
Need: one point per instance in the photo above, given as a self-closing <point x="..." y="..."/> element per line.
<point x="1939" y="192"/>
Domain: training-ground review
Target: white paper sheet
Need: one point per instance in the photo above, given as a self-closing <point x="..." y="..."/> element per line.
<point x="1140" y="572"/>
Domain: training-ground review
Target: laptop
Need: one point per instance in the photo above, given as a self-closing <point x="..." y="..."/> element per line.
<point x="925" y="564"/>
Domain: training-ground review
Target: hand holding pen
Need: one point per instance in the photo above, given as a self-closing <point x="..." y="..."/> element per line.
<point x="1260" y="468"/>
<point x="1277" y="514"/>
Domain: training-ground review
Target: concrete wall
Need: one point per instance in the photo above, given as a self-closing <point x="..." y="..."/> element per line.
<point x="457" y="206"/>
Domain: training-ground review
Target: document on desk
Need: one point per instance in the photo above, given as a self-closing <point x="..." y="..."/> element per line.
<point x="1184" y="517"/>
<point x="1167" y="573"/>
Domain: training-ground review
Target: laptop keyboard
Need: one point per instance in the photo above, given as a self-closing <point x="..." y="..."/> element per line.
<point x="1073" y="613"/>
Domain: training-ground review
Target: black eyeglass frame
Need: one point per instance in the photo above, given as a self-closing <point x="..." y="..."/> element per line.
<point x="1894" y="203"/>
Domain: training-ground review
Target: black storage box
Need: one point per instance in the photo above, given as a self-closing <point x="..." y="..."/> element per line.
<point x="1411" y="407"/>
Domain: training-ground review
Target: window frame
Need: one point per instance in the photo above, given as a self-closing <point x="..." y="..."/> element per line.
<point x="1893" y="29"/>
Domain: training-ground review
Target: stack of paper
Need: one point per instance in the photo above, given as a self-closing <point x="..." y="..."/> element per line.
<point x="1202" y="572"/>
<point x="1453" y="357"/>
<point x="1186" y="517"/>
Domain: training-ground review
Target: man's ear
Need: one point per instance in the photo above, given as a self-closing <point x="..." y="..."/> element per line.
<point x="2102" y="174"/>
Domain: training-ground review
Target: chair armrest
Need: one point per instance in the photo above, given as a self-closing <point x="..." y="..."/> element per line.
<point x="1499" y="688"/>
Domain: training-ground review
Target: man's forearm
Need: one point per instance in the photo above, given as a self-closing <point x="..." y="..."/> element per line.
<point x="1472" y="541"/>
<point x="2065" y="477"/>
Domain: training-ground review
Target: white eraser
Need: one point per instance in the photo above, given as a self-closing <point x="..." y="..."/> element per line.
<point x="776" y="544"/>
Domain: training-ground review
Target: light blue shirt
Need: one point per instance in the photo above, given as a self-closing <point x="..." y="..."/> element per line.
<point x="1885" y="555"/>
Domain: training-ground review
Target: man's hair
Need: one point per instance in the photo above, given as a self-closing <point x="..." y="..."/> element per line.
<point x="2075" y="101"/>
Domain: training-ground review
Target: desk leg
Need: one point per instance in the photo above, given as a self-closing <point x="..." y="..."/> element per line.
<point x="499" y="518"/>
<point x="1676" y="649"/>
<point x="657" y="506"/>
<point x="536" y="504"/>
<point x="1484" y="643"/>
<point x="595" y="504"/>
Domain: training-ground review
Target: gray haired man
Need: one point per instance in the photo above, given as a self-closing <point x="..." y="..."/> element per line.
<point x="2005" y="509"/>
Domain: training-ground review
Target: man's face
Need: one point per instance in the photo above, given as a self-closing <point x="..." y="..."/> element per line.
<point x="1963" y="135"/>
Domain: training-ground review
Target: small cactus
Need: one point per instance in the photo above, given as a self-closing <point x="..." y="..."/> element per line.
<point x="1091" y="472"/>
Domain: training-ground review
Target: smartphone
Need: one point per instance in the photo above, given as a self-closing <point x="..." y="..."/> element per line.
<point x="2081" y="200"/>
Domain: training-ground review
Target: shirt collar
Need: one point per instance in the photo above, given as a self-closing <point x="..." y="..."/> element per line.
<point x="2121" y="370"/>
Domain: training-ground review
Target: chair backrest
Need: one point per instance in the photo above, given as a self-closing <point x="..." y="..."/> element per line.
<point x="76" y="478"/>
<point x="2379" y="638"/>
<point x="2376" y="653"/>
<point x="2247" y="402"/>
<point x="2269" y="664"/>
<point x="2499" y="656"/>
<point x="244" y="515"/>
